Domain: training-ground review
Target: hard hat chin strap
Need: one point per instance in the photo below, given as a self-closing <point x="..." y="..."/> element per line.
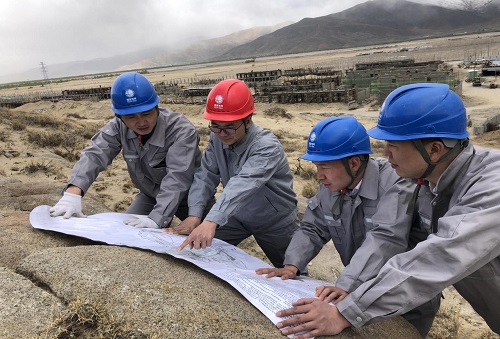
<point x="459" y="145"/>
<point x="345" y="162"/>
<point x="340" y="200"/>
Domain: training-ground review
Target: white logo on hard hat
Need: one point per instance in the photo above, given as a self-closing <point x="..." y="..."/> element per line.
<point x="218" y="102"/>
<point x="312" y="137"/>
<point x="130" y="94"/>
<point x="311" y="143"/>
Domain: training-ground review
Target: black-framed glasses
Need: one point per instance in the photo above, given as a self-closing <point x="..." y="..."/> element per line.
<point x="218" y="130"/>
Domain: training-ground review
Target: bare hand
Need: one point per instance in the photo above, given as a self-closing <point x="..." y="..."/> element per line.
<point x="287" y="272"/>
<point x="201" y="236"/>
<point x="330" y="293"/>
<point x="185" y="227"/>
<point x="312" y="318"/>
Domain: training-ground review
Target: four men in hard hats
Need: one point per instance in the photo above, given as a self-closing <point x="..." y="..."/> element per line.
<point x="456" y="201"/>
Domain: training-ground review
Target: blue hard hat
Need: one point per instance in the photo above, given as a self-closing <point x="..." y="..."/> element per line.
<point x="418" y="111"/>
<point x="132" y="93"/>
<point x="337" y="138"/>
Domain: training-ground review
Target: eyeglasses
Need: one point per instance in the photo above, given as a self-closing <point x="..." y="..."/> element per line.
<point x="218" y="130"/>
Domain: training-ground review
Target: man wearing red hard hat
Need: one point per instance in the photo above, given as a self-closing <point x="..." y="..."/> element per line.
<point x="257" y="197"/>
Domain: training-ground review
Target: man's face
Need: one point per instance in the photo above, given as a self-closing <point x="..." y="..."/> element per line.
<point x="224" y="130"/>
<point x="405" y="158"/>
<point x="332" y="175"/>
<point x="141" y="123"/>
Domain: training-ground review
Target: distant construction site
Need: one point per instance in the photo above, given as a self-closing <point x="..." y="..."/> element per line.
<point x="365" y="82"/>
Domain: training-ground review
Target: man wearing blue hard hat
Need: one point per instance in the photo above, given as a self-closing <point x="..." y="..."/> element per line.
<point x="457" y="200"/>
<point x="159" y="146"/>
<point x="357" y="193"/>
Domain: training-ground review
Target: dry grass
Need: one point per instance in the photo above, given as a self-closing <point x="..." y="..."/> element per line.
<point x="84" y="319"/>
<point x="88" y="131"/>
<point x="277" y="112"/>
<point x="310" y="189"/>
<point x="18" y="126"/>
<point x="446" y="324"/>
<point x="46" y="168"/>
<point x="291" y="142"/>
<point x="378" y="147"/>
<point x="4" y="135"/>
<point x="20" y="120"/>
<point x="75" y="115"/>
<point x="305" y="170"/>
<point x="122" y="205"/>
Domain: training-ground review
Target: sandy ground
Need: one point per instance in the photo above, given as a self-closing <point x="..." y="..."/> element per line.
<point x="112" y="186"/>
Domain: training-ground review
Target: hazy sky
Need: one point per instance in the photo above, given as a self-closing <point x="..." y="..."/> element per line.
<point x="59" y="31"/>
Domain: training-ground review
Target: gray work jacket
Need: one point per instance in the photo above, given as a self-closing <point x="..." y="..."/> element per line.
<point x="163" y="168"/>
<point x="318" y="225"/>
<point x="256" y="179"/>
<point x="467" y="244"/>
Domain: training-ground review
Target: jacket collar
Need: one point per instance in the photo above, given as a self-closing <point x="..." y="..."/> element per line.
<point x="457" y="168"/>
<point x="369" y="184"/>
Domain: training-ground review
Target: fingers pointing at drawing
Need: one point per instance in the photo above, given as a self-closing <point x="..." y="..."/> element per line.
<point x="201" y="236"/>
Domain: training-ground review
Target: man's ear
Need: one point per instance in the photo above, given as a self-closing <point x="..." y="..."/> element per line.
<point x="247" y="120"/>
<point x="437" y="150"/>
<point x="355" y="163"/>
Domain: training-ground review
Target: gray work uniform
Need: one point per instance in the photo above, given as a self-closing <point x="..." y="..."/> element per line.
<point x="464" y="251"/>
<point x="319" y="225"/>
<point x="162" y="169"/>
<point x="372" y="205"/>
<point x="257" y="197"/>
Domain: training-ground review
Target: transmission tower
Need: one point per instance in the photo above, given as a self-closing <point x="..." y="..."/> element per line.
<point x="44" y="71"/>
<point x="46" y="78"/>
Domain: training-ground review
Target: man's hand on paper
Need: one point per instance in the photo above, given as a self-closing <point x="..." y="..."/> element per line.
<point x="141" y="221"/>
<point x="68" y="205"/>
<point x="286" y="272"/>
<point x="185" y="227"/>
<point x="311" y="318"/>
<point x="330" y="293"/>
<point x="201" y="236"/>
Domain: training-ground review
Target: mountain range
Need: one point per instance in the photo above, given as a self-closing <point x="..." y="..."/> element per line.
<point x="369" y="23"/>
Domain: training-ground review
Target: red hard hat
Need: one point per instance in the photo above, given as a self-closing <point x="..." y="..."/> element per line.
<point x="229" y="100"/>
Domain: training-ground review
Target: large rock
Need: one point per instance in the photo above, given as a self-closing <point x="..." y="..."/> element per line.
<point x="72" y="287"/>
<point x="27" y="310"/>
<point x="162" y="296"/>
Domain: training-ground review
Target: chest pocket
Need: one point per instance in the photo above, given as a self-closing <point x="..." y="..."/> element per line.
<point x="369" y="210"/>
<point x="335" y="228"/>
<point x="158" y="167"/>
<point x="132" y="160"/>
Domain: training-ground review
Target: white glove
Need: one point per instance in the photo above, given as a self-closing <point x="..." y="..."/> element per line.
<point x="141" y="221"/>
<point x="68" y="205"/>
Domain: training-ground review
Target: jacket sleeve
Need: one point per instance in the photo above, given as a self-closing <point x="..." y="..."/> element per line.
<point x="105" y="146"/>
<point x="205" y="182"/>
<point x="388" y="237"/>
<point x="257" y="170"/>
<point x="180" y="167"/>
<point x="310" y="238"/>
<point x="467" y="239"/>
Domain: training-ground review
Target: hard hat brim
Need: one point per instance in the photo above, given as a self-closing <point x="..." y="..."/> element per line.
<point x="380" y="134"/>
<point x="136" y="109"/>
